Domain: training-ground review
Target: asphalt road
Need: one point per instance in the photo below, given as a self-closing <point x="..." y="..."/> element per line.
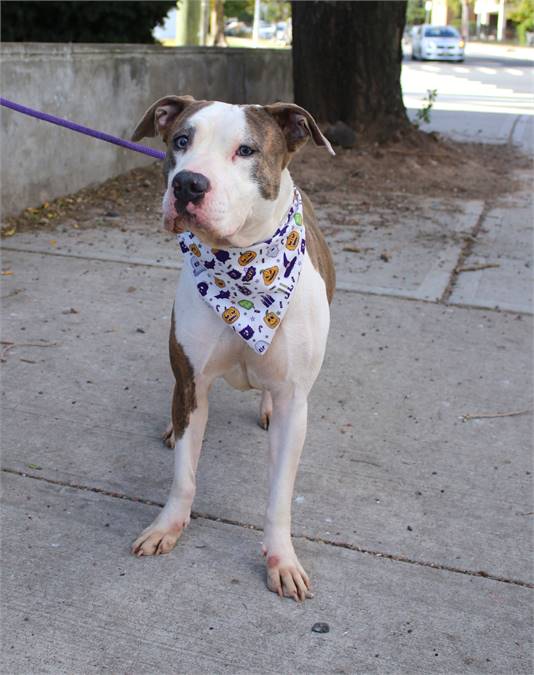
<point x="489" y="97"/>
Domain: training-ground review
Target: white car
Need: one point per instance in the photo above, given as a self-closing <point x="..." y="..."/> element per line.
<point x="266" y="31"/>
<point x="439" y="43"/>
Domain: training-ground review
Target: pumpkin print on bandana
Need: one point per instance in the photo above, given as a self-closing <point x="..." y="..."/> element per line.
<point x="250" y="288"/>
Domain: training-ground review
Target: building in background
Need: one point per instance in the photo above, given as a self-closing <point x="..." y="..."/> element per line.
<point x="490" y="18"/>
<point x="485" y="19"/>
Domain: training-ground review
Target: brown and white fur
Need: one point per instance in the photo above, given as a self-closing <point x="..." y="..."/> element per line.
<point x="246" y="200"/>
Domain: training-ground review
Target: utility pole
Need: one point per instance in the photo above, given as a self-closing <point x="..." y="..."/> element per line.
<point x="204" y="22"/>
<point x="501" y="21"/>
<point x="256" y="25"/>
<point x="217" y="24"/>
<point x="465" y="20"/>
<point x="428" y="9"/>
<point x="189" y="29"/>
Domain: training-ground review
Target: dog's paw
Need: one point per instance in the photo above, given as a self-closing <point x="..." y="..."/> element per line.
<point x="286" y="576"/>
<point x="168" y="436"/>
<point x="264" y="421"/>
<point x="266" y="410"/>
<point x="155" y="540"/>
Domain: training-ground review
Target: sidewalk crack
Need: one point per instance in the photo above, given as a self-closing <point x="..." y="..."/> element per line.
<point x="466" y="250"/>
<point x="197" y="515"/>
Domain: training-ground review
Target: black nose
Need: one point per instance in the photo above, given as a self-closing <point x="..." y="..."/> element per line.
<point x="189" y="187"/>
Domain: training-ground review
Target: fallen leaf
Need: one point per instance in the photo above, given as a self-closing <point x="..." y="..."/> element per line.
<point x="7" y="273"/>
<point x="9" y="231"/>
<point x="52" y="242"/>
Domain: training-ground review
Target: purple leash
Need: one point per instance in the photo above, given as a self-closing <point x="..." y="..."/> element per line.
<point x="136" y="147"/>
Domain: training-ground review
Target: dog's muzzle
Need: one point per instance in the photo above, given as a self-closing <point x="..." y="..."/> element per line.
<point x="189" y="187"/>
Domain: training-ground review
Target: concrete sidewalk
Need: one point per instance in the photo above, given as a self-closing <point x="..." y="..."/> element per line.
<point x="413" y="520"/>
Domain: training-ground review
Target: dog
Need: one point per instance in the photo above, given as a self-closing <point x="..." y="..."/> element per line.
<point x="254" y="313"/>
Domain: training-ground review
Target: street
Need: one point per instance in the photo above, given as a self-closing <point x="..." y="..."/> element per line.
<point x="488" y="98"/>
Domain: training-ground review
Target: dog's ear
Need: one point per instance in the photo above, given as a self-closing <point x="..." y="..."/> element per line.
<point x="297" y="126"/>
<point x="160" y="116"/>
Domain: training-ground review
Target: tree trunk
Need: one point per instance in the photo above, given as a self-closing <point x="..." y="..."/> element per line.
<point x="188" y="23"/>
<point x="465" y="20"/>
<point x="217" y="23"/>
<point x="347" y="62"/>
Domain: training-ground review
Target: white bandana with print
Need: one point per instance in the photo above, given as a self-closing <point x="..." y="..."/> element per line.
<point x="250" y="288"/>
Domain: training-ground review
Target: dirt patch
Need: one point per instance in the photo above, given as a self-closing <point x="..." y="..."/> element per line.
<point x="131" y="197"/>
<point x="435" y="168"/>
<point x="369" y="177"/>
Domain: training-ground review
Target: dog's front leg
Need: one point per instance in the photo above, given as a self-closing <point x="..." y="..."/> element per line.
<point x="287" y="431"/>
<point x="162" y="535"/>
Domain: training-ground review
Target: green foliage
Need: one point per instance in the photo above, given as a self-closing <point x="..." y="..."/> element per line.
<point x="522" y="14"/>
<point x="455" y="10"/>
<point x="423" y="114"/>
<point x="275" y="11"/>
<point x="415" y="12"/>
<point x="112" y="21"/>
<point x="243" y="10"/>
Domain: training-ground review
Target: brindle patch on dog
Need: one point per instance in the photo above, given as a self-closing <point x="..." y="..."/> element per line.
<point x="318" y="248"/>
<point x="184" y="398"/>
<point x="168" y="163"/>
<point x="178" y="128"/>
<point x="272" y="157"/>
<point x="181" y="129"/>
<point x="182" y="118"/>
<point x="297" y="125"/>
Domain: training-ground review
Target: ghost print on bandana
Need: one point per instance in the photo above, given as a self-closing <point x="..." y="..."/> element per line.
<point x="250" y="288"/>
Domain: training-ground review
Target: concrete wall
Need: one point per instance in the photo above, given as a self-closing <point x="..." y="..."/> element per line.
<point x="108" y="87"/>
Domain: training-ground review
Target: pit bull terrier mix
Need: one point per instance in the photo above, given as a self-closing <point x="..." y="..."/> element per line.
<point x="227" y="188"/>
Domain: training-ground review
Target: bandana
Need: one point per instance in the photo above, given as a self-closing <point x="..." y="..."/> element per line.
<point x="250" y="288"/>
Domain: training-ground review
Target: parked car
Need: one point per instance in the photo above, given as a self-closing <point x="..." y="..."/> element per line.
<point x="282" y="32"/>
<point x="439" y="43"/>
<point x="266" y="30"/>
<point x="235" y="28"/>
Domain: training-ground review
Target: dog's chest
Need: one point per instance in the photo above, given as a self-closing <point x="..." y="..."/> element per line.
<point x="215" y="350"/>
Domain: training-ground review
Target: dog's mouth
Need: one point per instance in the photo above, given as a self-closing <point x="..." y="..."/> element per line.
<point x="178" y="219"/>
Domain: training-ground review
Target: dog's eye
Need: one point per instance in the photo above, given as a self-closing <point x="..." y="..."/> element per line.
<point x="245" y="151"/>
<point x="181" y="142"/>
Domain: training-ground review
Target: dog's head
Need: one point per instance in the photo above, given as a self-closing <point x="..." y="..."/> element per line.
<point x="224" y="162"/>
